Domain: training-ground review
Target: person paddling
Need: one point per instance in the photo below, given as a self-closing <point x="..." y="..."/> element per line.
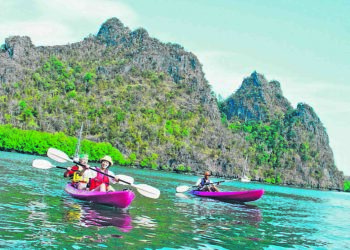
<point x="102" y="182"/>
<point x="80" y="175"/>
<point x="204" y="183"/>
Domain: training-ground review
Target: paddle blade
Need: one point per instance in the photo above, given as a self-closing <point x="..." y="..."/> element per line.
<point x="182" y="189"/>
<point x="125" y="178"/>
<point x="146" y="190"/>
<point x="58" y="155"/>
<point x="42" y="164"/>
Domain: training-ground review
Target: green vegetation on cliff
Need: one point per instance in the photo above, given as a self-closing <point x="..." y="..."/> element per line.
<point x="137" y="113"/>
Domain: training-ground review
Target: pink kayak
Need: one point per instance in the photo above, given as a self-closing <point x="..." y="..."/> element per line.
<point x="240" y="196"/>
<point x="121" y="199"/>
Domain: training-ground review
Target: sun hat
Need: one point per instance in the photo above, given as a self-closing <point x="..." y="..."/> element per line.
<point x="107" y="158"/>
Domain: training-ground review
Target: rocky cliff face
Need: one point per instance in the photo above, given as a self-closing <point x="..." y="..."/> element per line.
<point x="148" y="97"/>
<point x="258" y="100"/>
<point x="307" y="159"/>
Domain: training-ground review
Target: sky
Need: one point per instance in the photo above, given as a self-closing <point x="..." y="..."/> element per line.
<point x="305" y="45"/>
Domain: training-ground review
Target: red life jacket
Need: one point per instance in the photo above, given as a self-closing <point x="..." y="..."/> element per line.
<point x="99" y="179"/>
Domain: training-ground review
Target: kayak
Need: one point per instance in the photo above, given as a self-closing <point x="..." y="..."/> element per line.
<point x="120" y="199"/>
<point x="240" y="196"/>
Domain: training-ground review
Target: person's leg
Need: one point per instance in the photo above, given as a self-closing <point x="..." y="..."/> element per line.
<point x="103" y="187"/>
<point x="110" y="188"/>
<point x="207" y="188"/>
<point x="82" y="186"/>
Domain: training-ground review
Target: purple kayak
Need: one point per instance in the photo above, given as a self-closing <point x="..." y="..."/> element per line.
<point x="240" y="196"/>
<point x="120" y="199"/>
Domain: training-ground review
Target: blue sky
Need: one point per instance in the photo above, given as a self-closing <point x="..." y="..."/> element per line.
<point x="305" y="45"/>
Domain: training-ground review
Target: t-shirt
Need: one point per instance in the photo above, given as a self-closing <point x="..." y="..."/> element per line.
<point x="88" y="174"/>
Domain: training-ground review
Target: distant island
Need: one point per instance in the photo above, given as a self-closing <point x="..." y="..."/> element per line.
<point x="151" y="102"/>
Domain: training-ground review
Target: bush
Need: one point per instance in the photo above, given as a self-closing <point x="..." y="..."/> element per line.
<point x="182" y="168"/>
<point x="35" y="142"/>
<point x="347" y="186"/>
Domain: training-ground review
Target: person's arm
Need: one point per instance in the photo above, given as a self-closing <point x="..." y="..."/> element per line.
<point x="112" y="180"/>
<point x="198" y="183"/>
<point x="70" y="171"/>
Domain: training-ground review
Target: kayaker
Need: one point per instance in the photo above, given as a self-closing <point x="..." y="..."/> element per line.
<point x="102" y="182"/>
<point x="203" y="183"/>
<point x="80" y="175"/>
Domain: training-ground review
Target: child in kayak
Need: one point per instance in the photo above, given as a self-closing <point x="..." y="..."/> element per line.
<point x="80" y="175"/>
<point x="102" y="182"/>
<point x="204" y="184"/>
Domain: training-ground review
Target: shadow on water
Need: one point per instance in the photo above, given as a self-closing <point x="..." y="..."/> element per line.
<point x="90" y="214"/>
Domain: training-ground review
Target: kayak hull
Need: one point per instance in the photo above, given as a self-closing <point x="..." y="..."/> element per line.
<point x="239" y="196"/>
<point x="120" y="199"/>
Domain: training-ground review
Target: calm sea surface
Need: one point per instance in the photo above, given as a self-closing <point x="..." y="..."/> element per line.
<point x="36" y="213"/>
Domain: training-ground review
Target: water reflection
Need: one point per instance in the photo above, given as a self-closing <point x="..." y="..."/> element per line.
<point x="206" y="208"/>
<point x="98" y="215"/>
<point x="145" y="221"/>
<point x="214" y="222"/>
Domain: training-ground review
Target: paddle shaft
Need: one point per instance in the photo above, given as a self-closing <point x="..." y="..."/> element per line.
<point x="78" y="163"/>
<point x="205" y="184"/>
<point x="60" y="167"/>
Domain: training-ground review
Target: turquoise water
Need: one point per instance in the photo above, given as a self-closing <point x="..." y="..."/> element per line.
<point x="37" y="214"/>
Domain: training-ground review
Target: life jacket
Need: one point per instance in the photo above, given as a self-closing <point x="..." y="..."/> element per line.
<point x="74" y="174"/>
<point x="98" y="180"/>
<point x="76" y="177"/>
<point x="204" y="181"/>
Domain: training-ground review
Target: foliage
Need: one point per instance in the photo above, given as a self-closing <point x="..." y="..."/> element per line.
<point x="34" y="142"/>
<point x="183" y="168"/>
<point x="347" y="186"/>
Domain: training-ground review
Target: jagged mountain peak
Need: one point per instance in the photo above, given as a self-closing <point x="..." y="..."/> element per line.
<point x="305" y="110"/>
<point x="24" y="41"/>
<point x="311" y="121"/>
<point x="112" y="30"/>
<point x="257" y="99"/>
<point x="259" y="82"/>
<point x="255" y="79"/>
<point x="17" y="46"/>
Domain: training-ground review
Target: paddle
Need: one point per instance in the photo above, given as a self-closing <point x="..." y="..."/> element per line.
<point x="44" y="164"/>
<point x="143" y="189"/>
<point x="182" y="189"/>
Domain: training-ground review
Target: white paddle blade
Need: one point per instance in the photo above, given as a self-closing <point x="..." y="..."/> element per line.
<point x="148" y="191"/>
<point x="42" y="164"/>
<point x="58" y="155"/>
<point x="182" y="189"/>
<point x="125" y="178"/>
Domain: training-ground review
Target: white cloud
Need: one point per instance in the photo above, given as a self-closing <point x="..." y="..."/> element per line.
<point x="220" y="71"/>
<point x="57" y="22"/>
<point x="44" y="32"/>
